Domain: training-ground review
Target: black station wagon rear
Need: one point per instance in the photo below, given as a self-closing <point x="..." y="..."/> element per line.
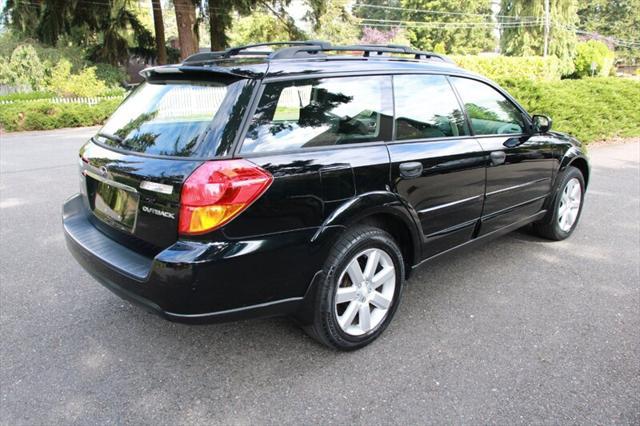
<point x="309" y="181"/>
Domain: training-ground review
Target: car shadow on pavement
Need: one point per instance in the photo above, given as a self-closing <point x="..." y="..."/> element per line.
<point x="278" y="335"/>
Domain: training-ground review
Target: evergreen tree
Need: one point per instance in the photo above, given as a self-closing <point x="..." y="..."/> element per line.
<point x="378" y="10"/>
<point x="158" y="25"/>
<point x="336" y="24"/>
<point x="526" y="40"/>
<point x="619" y="19"/>
<point x="221" y="18"/>
<point x="187" y="30"/>
<point x="109" y="29"/>
<point x="460" y="26"/>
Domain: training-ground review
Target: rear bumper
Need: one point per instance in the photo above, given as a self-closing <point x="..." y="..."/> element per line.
<point x="195" y="281"/>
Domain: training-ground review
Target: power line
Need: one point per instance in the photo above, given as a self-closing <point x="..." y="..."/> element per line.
<point x="441" y="27"/>
<point x="514" y="21"/>
<point x="445" y="23"/>
<point x="616" y="41"/>
<point x="438" y="12"/>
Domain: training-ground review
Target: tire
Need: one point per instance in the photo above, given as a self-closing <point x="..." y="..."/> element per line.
<point x="334" y="323"/>
<point x="553" y="226"/>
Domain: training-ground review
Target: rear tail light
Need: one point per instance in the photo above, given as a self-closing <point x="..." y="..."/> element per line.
<point x="218" y="191"/>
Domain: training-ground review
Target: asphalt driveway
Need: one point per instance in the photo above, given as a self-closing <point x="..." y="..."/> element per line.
<point x="519" y="331"/>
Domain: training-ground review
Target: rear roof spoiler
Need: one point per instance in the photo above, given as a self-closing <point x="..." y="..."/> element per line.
<point x="158" y="71"/>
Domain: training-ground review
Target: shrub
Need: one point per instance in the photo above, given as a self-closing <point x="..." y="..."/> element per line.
<point x="84" y="84"/>
<point x="593" y="52"/>
<point x="590" y="109"/>
<point x="111" y="75"/>
<point x="44" y="115"/>
<point x="27" y="96"/>
<point x="30" y="64"/>
<point x="518" y="67"/>
<point x="74" y="54"/>
<point x="395" y="35"/>
<point x="257" y="26"/>
<point x="24" y="68"/>
<point x="30" y="96"/>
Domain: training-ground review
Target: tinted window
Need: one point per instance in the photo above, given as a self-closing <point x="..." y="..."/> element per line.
<point x="166" y="118"/>
<point x="489" y="111"/>
<point x="426" y="107"/>
<point x="319" y="112"/>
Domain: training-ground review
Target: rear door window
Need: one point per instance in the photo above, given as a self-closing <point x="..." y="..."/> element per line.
<point x="320" y="112"/>
<point x="490" y="113"/>
<point x="167" y="118"/>
<point x="426" y="107"/>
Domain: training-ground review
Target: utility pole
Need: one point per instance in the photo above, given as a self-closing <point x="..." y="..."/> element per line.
<point x="546" y="27"/>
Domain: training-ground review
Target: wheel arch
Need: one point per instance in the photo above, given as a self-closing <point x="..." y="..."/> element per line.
<point x="581" y="164"/>
<point x="385" y="211"/>
<point x="575" y="157"/>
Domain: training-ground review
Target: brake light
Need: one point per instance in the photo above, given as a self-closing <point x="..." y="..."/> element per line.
<point x="218" y="191"/>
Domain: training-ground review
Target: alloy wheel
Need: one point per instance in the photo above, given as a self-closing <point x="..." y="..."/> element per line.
<point x="365" y="292"/>
<point x="569" y="204"/>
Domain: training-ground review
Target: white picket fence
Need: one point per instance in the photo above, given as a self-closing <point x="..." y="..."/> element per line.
<point x="88" y="101"/>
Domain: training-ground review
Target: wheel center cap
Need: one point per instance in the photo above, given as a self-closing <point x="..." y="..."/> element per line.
<point x="366" y="289"/>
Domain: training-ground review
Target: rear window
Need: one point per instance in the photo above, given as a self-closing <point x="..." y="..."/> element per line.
<point x="167" y="118"/>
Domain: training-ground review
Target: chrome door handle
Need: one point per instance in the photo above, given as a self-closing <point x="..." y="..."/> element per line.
<point x="410" y="170"/>
<point x="497" y="158"/>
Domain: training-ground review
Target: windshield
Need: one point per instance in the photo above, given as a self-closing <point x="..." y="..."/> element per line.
<point x="165" y="118"/>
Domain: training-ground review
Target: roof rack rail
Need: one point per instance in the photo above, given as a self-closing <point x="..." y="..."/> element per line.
<point x="309" y="49"/>
<point x="204" y="57"/>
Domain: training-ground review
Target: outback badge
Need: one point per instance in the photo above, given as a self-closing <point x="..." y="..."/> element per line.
<point x="158" y="212"/>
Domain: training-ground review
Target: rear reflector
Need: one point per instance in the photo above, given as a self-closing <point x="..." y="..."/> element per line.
<point x="218" y="191"/>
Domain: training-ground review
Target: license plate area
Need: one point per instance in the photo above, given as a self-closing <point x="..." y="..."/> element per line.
<point x="113" y="203"/>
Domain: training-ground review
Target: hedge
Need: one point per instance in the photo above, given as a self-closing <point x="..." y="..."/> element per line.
<point x="45" y="115"/>
<point x="591" y="109"/>
<point x="30" y="96"/>
<point x="518" y="67"/>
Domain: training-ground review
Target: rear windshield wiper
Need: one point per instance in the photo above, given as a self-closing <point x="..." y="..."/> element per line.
<point x="114" y="138"/>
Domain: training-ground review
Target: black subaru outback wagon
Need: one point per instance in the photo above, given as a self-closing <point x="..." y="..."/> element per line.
<point x="309" y="181"/>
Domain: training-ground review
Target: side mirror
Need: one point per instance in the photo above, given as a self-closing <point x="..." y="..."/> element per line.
<point x="541" y="124"/>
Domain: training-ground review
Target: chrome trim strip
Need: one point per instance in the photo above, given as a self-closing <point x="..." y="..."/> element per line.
<point x="453" y="203"/>
<point x="453" y="228"/>
<point x="156" y="187"/>
<point x="472" y="242"/>
<point x="509" y="209"/>
<point x="110" y="182"/>
<point x="235" y="310"/>
<point x="522" y="185"/>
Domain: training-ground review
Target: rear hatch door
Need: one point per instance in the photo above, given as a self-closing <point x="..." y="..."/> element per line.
<point x="132" y="171"/>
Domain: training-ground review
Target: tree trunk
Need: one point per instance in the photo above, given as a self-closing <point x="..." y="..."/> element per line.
<point x="158" y="24"/>
<point x="218" y="22"/>
<point x="186" y="20"/>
